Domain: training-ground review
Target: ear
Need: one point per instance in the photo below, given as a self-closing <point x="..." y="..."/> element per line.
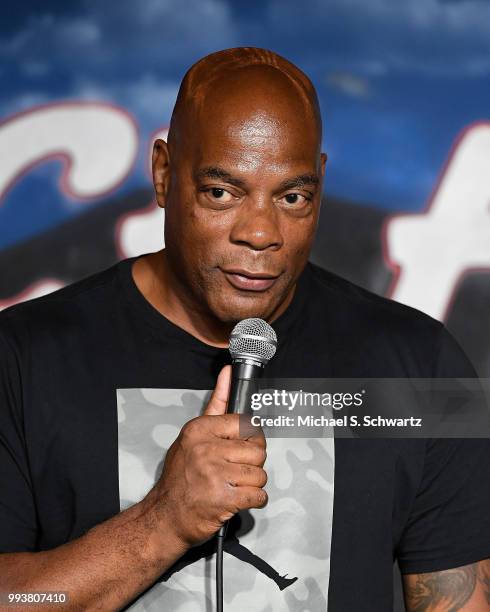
<point x="323" y="161"/>
<point x="160" y="168"/>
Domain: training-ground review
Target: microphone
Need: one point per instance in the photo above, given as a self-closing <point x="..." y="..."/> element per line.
<point x="253" y="343"/>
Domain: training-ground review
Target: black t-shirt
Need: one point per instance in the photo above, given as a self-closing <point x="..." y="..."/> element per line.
<point x="95" y="384"/>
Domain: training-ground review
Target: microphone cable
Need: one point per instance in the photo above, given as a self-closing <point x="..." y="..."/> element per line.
<point x="219" y="567"/>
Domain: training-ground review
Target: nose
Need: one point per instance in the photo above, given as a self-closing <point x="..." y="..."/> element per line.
<point x="257" y="226"/>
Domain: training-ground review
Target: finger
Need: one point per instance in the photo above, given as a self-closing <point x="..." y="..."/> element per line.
<point x="242" y="474"/>
<point x="243" y="451"/>
<point x="251" y="433"/>
<point x="249" y="497"/>
<point x="219" y="399"/>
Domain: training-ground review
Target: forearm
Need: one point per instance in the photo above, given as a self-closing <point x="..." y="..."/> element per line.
<point x="104" y="569"/>
<point x="462" y="589"/>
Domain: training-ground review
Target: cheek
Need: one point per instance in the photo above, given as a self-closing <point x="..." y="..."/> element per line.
<point x="208" y="227"/>
<point x="186" y="223"/>
<point x="298" y="241"/>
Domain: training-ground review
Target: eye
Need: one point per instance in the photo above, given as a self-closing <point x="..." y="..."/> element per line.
<point x="217" y="193"/>
<point x="295" y="199"/>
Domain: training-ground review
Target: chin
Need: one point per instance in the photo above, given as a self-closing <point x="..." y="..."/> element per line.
<point x="234" y="310"/>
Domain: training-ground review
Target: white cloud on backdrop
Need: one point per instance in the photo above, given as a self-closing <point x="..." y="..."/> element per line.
<point x="118" y="52"/>
<point x="426" y="37"/>
<point x="350" y="84"/>
<point x="147" y="96"/>
<point x="126" y="29"/>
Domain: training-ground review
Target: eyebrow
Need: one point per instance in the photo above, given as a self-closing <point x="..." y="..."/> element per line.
<point x="297" y="182"/>
<point x="215" y="172"/>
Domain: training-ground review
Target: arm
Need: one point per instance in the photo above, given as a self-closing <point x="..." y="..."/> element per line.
<point x="209" y="474"/>
<point x="449" y="517"/>
<point x="105" y="568"/>
<point x="464" y="588"/>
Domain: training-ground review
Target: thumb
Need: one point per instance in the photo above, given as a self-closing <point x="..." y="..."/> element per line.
<point x="219" y="399"/>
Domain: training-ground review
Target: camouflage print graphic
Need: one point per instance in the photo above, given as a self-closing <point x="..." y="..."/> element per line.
<point x="276" y="558"/>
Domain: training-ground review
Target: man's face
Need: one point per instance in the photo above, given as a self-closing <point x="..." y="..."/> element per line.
<point x="241" y="210"/>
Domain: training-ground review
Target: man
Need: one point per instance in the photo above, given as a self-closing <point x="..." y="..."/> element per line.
<point x="241" y="182"/>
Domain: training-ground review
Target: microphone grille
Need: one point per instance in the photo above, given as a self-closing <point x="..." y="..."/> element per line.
<point x="253" y="338"/>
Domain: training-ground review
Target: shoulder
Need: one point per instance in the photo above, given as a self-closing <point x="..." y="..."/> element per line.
<point x="363" y="306"/>
<point x="75" y="304"/>
<point x="380" y="328"/>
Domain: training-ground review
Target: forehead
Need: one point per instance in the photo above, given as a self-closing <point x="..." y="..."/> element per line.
<point x="257" y="140"/>
<point x="257" y="113"/>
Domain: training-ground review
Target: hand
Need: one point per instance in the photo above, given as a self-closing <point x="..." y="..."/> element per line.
<point x="210" y="473"/>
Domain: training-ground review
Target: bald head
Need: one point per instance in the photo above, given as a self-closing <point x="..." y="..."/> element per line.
<point x="232" y="84"/>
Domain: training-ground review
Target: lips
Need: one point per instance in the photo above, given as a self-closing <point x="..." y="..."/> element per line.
<point x="250" y="281"/>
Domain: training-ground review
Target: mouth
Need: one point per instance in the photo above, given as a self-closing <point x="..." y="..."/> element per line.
<point x="250" y="281"/>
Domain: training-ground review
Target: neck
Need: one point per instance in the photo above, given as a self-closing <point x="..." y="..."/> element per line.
<point x="156" y="281"/>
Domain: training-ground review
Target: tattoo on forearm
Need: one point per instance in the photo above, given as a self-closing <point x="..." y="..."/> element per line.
<point x="451" y="588"/>
<point x="484" y="577"/>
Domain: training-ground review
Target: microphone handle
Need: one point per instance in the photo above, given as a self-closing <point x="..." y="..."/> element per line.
<point x="244" y="375"/>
